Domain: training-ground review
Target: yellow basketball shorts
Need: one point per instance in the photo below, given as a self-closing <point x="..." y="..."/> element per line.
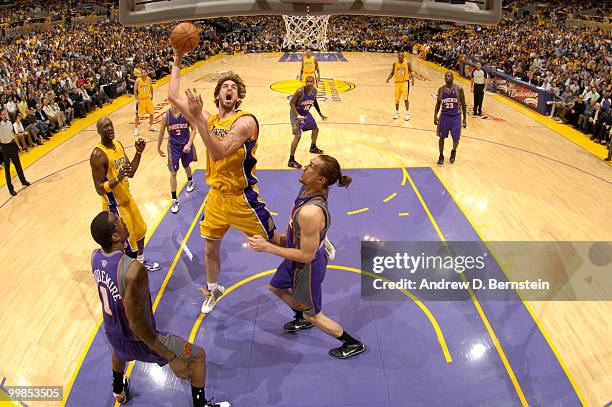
<point x="401" y="91"/>
<point x="132" y="218"/>
<point x="144" y="106"/>
<point x="245" y="212"/>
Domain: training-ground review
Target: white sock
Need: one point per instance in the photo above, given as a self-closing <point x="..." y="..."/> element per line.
<point x="212" y="286"/>
<point x="140" y="258"/>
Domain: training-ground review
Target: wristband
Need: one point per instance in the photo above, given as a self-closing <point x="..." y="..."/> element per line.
<point x="107" y="187"/>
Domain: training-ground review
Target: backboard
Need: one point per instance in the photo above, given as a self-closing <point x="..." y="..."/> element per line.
<point x="141" y="12"/>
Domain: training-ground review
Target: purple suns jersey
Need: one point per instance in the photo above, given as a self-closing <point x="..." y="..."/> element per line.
<point x="178" y="128"/>
<point x="293" y="229"/>
<point x="306" y="101"/>
<point x="450" y="101"/>
<point x="109" y="272"/>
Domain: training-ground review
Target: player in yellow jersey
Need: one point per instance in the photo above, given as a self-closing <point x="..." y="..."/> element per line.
<point x="401" y="72"/>
<point x="230" y="137"/>
<point x="310" y="65"/>
<point x="110" y="169"/>
<point x="143" y="91"/>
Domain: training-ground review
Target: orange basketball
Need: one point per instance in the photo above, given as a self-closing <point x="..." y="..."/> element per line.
<point x="184" y="37"/>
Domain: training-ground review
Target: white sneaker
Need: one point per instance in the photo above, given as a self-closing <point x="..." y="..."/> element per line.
<point x="407" y="116"/>
<point x="151" y="265"/>
<point x="330" y="249"/>
<point x="175" y="206"/>
<point x="136" y="132"/>
<point x="395" y="115"/>
<point x="218" y="404"/>
<point x="190" y="186"/>
<point x="151" y="128"/>
<point x="211" y="299"/>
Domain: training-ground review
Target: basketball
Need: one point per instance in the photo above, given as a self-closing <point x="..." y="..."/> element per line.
<point x="184" y="37"/>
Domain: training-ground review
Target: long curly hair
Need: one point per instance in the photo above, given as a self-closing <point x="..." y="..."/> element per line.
<point x="234" y="77"/>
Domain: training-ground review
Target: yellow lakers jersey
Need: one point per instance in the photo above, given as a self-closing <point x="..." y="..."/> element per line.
<point x="401" y="71"/>
<point x="235" y="172"/>
<point x="144" y="88"/>
<point x="120" y="195"/>
<point x="308" y="65"/>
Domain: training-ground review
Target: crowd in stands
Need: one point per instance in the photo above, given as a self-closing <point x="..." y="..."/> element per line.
<point x="574" y="63"/>
<point x="47" y="79"/>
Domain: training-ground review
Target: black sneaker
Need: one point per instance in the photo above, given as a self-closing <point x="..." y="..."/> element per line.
<point x="607" y="159"/>
<point x="297" y="325"/>
<point x="12" y="192"/>
<point x="346" y="351"/>
<point x="453" y="155"/>
<point x="124" y="396"/>
<point x="315" y="150"/>
<point x="440" y="161"/>
<point x="26" y="184"/>
<point x="294" y="164"/>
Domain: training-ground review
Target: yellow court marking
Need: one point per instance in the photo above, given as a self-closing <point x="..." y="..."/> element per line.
<point x="78" y="125"/>
<point x="403" y="214"/>
<point x="408" y="294"/>
<point x="390" y="197"/>
<point x="481" y="313"/>
<point x="533" y="315"/>
<point x="564" y="130"/>
<point x="357" y="211"/>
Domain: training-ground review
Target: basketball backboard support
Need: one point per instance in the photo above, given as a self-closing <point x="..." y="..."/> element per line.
<point x="142" y="12"/>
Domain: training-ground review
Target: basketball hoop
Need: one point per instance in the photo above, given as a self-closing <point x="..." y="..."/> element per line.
<point x="306" y="31"/>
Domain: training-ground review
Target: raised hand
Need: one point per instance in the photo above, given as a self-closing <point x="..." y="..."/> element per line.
<point x="195" y="103"/>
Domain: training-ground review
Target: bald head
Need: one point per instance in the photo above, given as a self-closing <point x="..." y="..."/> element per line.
<point x="106" y="131"/>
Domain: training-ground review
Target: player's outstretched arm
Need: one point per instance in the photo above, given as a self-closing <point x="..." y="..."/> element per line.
<point x="311" y="219"/>
<point x="140" y="146"/>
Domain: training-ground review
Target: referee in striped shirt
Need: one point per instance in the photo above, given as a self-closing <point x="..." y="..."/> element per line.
<point x="478" y="84"/>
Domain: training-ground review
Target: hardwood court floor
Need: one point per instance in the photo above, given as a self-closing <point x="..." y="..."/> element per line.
<point x="514" y="178"/>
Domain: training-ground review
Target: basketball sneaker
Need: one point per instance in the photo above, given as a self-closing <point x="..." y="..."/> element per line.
<point x="219" y="404"/>
<point x="175" y="206"/>
<point x="151" y="265"/>
<point x="211" y="299"/>
<point x="297" y="325"/>
<point x="453" y="155"/>
<point x="395" y="115"/>
<point x="190" y="186"/>
<point x="330" y="249"/>
<point x="440" y="161"/>
<point x="346" y="351"/>
<point x="294" y="164"/>
<point x="315" y="150"/>
<point x="123" y="397"/>
<point x="152" y="129"/>
<point x="407" y="116"/>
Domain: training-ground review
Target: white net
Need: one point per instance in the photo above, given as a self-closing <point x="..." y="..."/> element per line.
<point x="306" y="31"/>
